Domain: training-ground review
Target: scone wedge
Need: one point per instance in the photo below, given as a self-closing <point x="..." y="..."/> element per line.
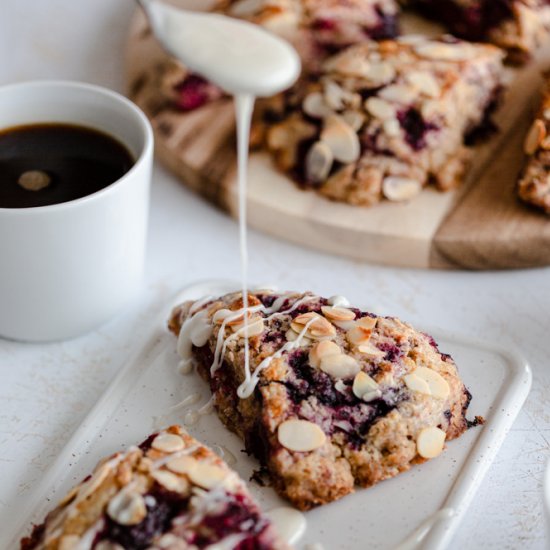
<point x="334" y="397"/>
<point x="170" y="492"/>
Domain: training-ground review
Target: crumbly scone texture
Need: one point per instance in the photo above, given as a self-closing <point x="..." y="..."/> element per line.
<point x="534" y="181"/>
<point x="171" y="492"/>
<point x="384" y="119"/>
<point x="316" y="28"/>
<point x="518" y="26"/>
<point x="343" y="397"/>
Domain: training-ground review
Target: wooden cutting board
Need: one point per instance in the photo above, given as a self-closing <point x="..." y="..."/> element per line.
<point x="482" y="225"/>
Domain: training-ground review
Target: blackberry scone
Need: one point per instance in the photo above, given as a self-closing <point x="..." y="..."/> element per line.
<point x="518" y="26"/>
<point x="332" y="397"/>
<point x="316" y="28"/>
<point x="534" y="181"/>
<point x="384" y="119"/>
<point x="171" y="492"/>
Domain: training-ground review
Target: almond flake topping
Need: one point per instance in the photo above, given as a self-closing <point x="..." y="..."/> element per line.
<point x="127" y="508"/>
<point x="335" y="313"/>
<point x="371" y="351"/>
<point x="319" y="160"/>
<point x="399" y="188"/>
<point x="255" y="327"/>
<point x="300" y="435"/>
<point x="340" y="366"/>
<point x="445" y="52"/>
<point x="323" y="349"/>
<point x="168" y="443"/>
<point x="341" y="138"/>
<point x="536" y="134"/>
<point x="380" y="108"/>
<point x="206" y="475"/>
<point x="424" y="82"/>
<point x="363" y="384"/>
<point x="318" y="328"/>
<point x="315" y="106"/>
<point x="170" y="481"/>
<point x="358" y="335"/>
<point x="437" y="385"/>
<point x="181" y="464"/>
<point x="430" y="442"/>
<point x="416" y="384"/>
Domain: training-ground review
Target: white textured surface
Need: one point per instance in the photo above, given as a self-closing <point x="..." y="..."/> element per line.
<point x="47" y="389"/>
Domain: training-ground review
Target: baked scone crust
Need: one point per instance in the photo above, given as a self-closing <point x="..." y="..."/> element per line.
<point x="384" y="119"/>
<point x="170" y="492"/>
<point x="360" y="440"/>
<point x="534" y="181"/>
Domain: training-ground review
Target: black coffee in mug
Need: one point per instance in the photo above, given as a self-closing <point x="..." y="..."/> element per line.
<point x="44" y="164"/>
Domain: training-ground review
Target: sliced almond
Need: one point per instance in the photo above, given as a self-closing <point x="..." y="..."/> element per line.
<point x="319" y="160"/>
<point x="371" y="395"/>
<point x="255" y="327"/>
<point x="371" y="350"/>
<point x="367" y="322"/>
<point x="170" y="481"/>
<point x="168" y="443"/>
<point x="349" y="65"/>
<point x="536" y="134"/>
<point x="416" y="384"/>
<point x="392" y="127"/>
<point x="300" y="435"/>
<point x="363" y="384"/>
<point x="335" y="96"/>
<point x="341" y="138"/>
<point x="181" y="464"/>
<point x="398" y="93"/>
<point x="445" y="52"/>
<point x="104" y="545"/>
<point x="340" y="366"/>
<point x="318" y="326"/>
<point x="380" y="73"/>
<point x="127" y="508"/>
<point x="338" y="313"/>
<point x="380" y="108"/>
<point x="399" y="188"/>
<point x="207" y="475"/>
<point x="430" y="442"/>
<point x="358" y="335"/>
<point x="246" y="8"/>
<point x="424" y="82"/>
<point x="220" y="315"/>
<point x="355" y="119"/>
<point x="315" y="106"/>
<point x="438" y="386"/>
<point x="323" y="349"/>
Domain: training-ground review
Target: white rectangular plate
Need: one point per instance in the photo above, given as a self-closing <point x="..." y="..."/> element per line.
<point x="140" y="399"/>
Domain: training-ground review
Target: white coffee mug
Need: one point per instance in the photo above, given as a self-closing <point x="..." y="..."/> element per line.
<point x="68" y="267"/>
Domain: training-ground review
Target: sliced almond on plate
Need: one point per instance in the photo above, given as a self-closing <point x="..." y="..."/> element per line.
<point x="127" y="508"/>
<point x="323" y="349"/>
<point x="363" y="383"/>
<point x="335" y="313"/>
<point x="168" y="443"/>
<point x="341" y="138"/>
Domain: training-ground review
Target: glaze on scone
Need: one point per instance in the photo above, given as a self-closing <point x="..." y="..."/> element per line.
<point x="534" y="181"/>
<point x="171" y="492"/>
<point x="343" y="397"/>
<point x="384" y="119"/>
<point x="518" y="26"/>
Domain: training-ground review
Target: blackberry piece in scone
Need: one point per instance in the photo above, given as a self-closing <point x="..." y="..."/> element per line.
<point x="384" y="119"/>
<point x="335" y="396"/>
<point x="171" y="492"/>
<point x="518" y="26"/>
<point x="315" y="28"/>
<point x="534" y="181"/>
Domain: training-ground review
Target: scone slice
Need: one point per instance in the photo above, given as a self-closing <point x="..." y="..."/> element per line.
<point x="316" y="28"/>
<point x="518" y="26"/>
<point x="534" y="181"/>
<point x="170" y="492"/>
<point x="337" y="397"/>
<point x="385" y="119"/>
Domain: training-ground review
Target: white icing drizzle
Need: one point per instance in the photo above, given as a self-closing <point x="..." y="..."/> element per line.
<point x="196" y="327"/>
<point x="415" y="539"/>
<point x="338" y="301"/>
<point x="159" y="463"/>
<point x="247" y="387"/>
<point x="288" y="522"/>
